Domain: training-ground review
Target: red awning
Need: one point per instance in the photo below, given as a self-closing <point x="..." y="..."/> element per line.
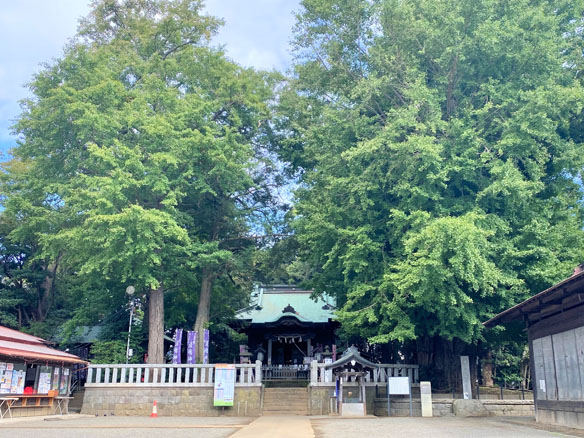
<point x="18" y="345"/>
<point x="29" y="355"/>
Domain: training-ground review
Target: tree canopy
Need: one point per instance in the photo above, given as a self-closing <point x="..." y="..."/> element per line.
<point x="144" y="145"/>
<point x="437" y="148"/>
<point x="434" y="147"/>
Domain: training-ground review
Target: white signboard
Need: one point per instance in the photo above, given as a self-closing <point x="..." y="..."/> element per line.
<point x="225" y="384"/>
<point x="398" y="385"/>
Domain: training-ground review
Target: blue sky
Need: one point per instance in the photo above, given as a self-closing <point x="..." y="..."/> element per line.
<point x="256" y="33"/>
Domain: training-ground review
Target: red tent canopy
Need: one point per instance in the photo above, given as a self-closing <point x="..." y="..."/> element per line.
<point x="18" y="345"/>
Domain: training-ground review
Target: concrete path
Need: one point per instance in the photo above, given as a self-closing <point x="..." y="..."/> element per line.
<point x="277" y="426"/>
<point x="435" y="427"/>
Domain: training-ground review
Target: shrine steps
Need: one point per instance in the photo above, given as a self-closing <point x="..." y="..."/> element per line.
<point x="285" y="401"/>
<point x="76" y="404"/>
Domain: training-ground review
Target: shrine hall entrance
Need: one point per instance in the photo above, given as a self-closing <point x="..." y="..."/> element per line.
<point x="289" y="353"/>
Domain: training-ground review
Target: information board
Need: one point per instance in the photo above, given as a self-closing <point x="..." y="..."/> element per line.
<point x="224" y="384"/>
<point x="399" y="385"/>
<point x="5" y="379"/>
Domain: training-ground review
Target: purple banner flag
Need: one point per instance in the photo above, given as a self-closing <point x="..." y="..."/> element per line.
<point x="334" y="352"/>
<point x="206" y="347"/>
<point x="177" y="346"/>
<point x="191" y="347"/>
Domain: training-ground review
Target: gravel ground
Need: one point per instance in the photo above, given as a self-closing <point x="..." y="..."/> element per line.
<point x="436" y="427"/>
<point x="117" y="427"/>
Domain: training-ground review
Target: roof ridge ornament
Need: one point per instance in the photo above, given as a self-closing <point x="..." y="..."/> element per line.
<point x="288" y="309"/>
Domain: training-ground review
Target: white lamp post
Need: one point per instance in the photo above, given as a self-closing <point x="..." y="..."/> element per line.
<point x="130" y="291"/>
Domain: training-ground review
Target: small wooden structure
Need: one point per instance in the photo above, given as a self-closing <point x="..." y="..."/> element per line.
<point x="34" y="378"/>
<point x="351" y="367"/>
<point x="555" y="329"/>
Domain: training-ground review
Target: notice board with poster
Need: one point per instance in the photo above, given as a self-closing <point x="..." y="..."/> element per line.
<point x="5" y="377"/>
<point x="224" y="391"/>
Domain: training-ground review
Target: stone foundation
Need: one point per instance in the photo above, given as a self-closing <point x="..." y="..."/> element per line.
<point x="175" y="401"/>
<point x="400" y="407"/>
<point x="510" y="408"/>
<point x="565" y="418"/>
<point x="320" y="399"/>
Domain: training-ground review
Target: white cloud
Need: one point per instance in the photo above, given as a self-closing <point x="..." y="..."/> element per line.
<point x="256" y="33"/>
<point x="32" y="32"/>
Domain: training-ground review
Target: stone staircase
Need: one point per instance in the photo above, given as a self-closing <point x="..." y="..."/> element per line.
<point x="77" y="402"/>
<point x="285" y="401"/>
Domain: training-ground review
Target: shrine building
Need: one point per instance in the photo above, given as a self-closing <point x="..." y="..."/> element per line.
<point x="285" y="325"/>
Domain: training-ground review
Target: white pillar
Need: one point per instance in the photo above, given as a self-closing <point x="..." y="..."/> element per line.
<point x="270" y="351"/>
<point x="466" y="384"/>
<point x="313" y="372"/>
<point x="258" y="372"/>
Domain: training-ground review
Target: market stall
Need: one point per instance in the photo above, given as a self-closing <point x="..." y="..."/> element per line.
<point x="35" y="379"/>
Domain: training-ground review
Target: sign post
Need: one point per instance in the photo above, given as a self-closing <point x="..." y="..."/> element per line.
<point x="426" y="398"/>
<point x="398" y="386"/>
<point x="466" y="385"/>
<point x="224" y="390"/>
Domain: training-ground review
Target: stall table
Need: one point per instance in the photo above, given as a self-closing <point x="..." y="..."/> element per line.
<point x="62" y="404"/>
<point x="6" y="402"/>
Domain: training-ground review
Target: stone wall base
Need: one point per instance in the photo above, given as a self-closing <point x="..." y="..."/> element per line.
<point x="176" y="401"/>
<point x="400" y="407"/>
<point x="562" y="418"/>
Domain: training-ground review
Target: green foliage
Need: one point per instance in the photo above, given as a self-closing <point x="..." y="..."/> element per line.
<point x="108" y="352"/>
<point x="437" y="151"/>
<point x="142" y="158"/>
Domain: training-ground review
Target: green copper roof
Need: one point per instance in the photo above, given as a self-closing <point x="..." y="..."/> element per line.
<point x="272" y="302"/>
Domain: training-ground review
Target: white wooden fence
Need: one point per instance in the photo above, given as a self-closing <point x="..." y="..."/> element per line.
<point x="143" y="375"/>
<point x="320" y="377"/>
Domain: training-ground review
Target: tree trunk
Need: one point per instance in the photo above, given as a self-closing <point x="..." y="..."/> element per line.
<point x="447" y="362"/>
<point x="203" y="312"/>
<point x="47" y="291"/>
<point x="424" y="350"/>
<point x="156" y="326"/>
<point x="488" y="370"/>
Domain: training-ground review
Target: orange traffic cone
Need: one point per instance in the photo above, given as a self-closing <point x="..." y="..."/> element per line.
<point x="154" y="413"/>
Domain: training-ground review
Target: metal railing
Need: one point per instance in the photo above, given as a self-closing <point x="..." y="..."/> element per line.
<point x="285" y="372"/>
<point x="167" y="375"/>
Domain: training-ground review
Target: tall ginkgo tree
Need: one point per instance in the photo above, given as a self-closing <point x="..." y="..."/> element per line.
<point x="136" y="136"/>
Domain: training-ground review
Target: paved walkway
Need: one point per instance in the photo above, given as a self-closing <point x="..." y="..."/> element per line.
<point x="276" y="426"/>
<point x="279" y="427"/>
<point x="435" y="427"/>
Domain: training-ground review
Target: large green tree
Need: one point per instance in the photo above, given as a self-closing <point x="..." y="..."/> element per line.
<point x="143" y="141"/>
<point x="437" y="146"/>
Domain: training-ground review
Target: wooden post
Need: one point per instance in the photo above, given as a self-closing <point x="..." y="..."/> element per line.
<point x="270" y="351"/>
